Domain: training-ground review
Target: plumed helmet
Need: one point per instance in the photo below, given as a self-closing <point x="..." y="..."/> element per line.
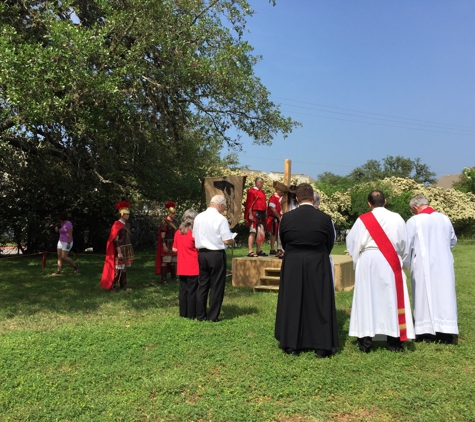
<point x="170" y="206"/>
<point x="123" y="207"/>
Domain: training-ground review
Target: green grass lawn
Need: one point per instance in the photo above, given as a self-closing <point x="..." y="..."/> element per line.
<point x="70" y="351"/>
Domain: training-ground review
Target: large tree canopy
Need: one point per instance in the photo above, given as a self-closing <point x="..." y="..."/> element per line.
<point x="394" y="167"/>
<point x="109" y="97"/>
<point x="467" y="181"/>
<point x="374" y="170"/>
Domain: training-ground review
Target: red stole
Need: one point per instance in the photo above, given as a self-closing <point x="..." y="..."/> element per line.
<point x="388" y="251"/>
<point x="108" y="272"/>
<point x="427" y="210"/>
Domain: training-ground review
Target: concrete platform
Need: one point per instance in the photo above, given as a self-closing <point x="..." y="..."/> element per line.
<point x="247" y="271"/>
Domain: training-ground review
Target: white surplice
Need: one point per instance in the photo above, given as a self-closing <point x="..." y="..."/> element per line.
<point x="430" y="238"/>
<point x="374" y="310"/>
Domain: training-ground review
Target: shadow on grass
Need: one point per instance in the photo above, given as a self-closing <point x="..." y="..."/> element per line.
<point x="27" y="289"/>
<point x="342" y="318"/>
<point x="234" y="311"/>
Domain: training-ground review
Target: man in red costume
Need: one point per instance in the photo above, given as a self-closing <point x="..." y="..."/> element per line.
<point x="255" y="215"/>
<point x="274" y="215"/>
<point x="119" y="251"/>
<point x="166" y="258"/>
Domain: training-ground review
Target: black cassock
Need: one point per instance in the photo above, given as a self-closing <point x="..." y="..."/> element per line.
<point x="306" y="314"/>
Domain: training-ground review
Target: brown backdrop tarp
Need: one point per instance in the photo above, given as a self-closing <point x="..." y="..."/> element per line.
<point x="231" y="187"/>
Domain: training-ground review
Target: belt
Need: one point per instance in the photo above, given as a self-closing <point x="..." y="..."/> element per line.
<point x="370" y="248"/>
<point x="210" y="250"/>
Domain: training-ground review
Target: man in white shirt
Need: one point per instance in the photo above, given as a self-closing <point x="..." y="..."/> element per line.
<point x="430" y="237"/>
<point x="212" y="234"/>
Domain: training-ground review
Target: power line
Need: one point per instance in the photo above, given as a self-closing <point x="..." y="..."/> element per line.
<point x="387" y="120"/>
<point x="378" y="124"/>
<point x="299" y="162"/>
<point x="382" y="117"/>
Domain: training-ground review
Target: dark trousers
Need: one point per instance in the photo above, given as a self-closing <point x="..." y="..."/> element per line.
<point x="212" y="277"/>
<point x="187" y="296"/>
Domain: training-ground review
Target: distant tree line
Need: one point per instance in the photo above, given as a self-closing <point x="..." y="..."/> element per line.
<point x="399" y="178"/>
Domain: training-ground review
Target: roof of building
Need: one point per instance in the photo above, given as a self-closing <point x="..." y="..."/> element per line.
<point x="447" y="181"/>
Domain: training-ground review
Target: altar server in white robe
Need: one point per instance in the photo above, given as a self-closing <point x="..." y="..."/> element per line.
<point x="430" y="237"/>
<point x="380" y="301"/>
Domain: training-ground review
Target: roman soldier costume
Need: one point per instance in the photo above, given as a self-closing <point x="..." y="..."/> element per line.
<point x="166" y="258"/>
<point x="119" y="251"/>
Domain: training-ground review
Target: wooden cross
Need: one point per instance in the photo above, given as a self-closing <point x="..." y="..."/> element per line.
<point x="287" y="177"/>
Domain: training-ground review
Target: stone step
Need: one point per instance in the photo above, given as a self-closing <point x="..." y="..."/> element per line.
<point x="266" y="288"/>
<point x="269" y="280"/>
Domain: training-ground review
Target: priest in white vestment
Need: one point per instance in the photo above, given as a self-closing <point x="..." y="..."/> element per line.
<point x="430" y="237"/>
<point x="375" y="306"/>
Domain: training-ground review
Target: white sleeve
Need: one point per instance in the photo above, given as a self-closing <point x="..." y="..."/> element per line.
<point x="225" y="232"/>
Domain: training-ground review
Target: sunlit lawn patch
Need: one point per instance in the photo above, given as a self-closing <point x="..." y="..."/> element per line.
<point x="71" y="351"/>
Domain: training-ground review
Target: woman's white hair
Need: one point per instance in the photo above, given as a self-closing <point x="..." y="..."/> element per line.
<point x="187" y="221"/>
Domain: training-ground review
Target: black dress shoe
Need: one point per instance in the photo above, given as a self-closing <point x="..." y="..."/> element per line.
<point x="444" y="338"/>
<point x="292" y="352"/>
<point x="215" y="320"/>
<point x="322" y="353"/>
<point x="364" y="344"/>
<point x="394" y="344"/>
<point x="427" y="338"/>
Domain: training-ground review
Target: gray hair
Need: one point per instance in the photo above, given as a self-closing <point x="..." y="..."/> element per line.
<point x="218" y="200"/>
<point x="187" y="221"/>
<point x="418" y="201"/>
<point x="257" y="179"/>
<point x="316" y="199"/>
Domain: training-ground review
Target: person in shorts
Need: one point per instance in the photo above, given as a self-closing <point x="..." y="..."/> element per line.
<point x="65" y="243"/>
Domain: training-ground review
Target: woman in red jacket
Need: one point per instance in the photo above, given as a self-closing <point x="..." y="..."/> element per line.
<point x="188" y="268"/>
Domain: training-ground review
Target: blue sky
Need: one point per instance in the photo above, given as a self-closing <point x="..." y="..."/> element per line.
<point x="367" y="79"/>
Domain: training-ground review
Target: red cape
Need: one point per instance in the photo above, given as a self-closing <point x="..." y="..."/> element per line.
<point x="108" y="272"/>
<point x="158" y="259"/>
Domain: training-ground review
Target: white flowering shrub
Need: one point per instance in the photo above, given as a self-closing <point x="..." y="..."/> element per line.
<point x="458" y="206"/>
<point x="336" y="206"/>
<point x="345" y="207"/>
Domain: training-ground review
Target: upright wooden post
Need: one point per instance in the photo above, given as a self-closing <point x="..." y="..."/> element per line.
<point x="287" y="177"/>
<point x="43" y="260"/>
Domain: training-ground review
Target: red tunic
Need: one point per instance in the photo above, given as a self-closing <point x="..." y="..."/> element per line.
<point x="272" y="222"/>
<point x="256" y="199"/>
<point x="169" y="227"/>
<point x="187" y="254"/>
